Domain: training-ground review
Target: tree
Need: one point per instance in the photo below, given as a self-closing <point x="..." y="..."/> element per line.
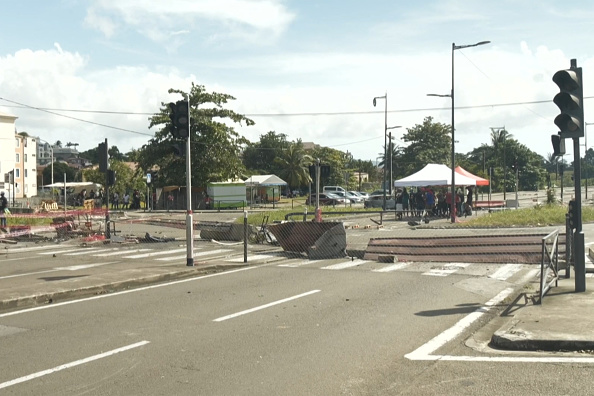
<point x="293" y="166"/>
<point x="260" y="157"/>
<point x="59" y="169"/>
<point x="58" y="144"/>
<point x="126" y="178"/>
<point x="215" y="146"/>
<point x="429" y="142"/>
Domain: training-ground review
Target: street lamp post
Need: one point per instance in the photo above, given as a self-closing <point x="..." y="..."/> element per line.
<point x="451" y="95"/>
<point x="385" y="97"/>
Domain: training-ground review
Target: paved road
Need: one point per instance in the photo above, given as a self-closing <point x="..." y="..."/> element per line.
<point x="323" y="328"/>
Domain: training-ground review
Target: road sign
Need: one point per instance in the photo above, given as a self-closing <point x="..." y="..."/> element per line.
<point x="148" y="178"/>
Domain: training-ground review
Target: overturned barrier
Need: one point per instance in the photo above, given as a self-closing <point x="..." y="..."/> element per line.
<point x="220" y="231"/>
<point x="318" y="240"/>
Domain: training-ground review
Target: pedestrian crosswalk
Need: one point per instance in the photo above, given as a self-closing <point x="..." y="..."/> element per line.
<point x="170" y="253"/>
<point x="161" y="253"/>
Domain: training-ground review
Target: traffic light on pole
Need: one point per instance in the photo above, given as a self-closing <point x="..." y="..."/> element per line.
<point x="573" y="218"/>
<point x="103" y="157"/>
<point x="558" y="145"/>
<point x="180" y="119"/>
<point x="570" y="101"/>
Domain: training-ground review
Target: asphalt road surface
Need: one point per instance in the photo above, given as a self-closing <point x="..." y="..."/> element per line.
<point x="284" y="328"/>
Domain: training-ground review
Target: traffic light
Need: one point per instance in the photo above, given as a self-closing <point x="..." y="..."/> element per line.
<point x="111" y="177"/>
<point x="558" y="145"/>
<point x="324" y="170"/>
<point x="103" y="157"/>
<point x="312" y="172"/>
<point x="570" y="101"/>
<point x="573" y="218"/>
<point x="180" y="120"/>
<point x="154" y="176"/>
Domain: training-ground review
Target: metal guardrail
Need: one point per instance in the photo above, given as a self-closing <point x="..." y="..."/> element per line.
<point x="549" y="262"/>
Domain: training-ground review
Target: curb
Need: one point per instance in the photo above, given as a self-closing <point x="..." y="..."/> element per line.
<point x="37" y="300"/>
<point x="512" y="340"/>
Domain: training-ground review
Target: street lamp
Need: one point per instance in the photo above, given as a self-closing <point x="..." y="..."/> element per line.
<point x="391" y="151"/>
<point x="451" y="95"/>
<point x="385" y="97"/>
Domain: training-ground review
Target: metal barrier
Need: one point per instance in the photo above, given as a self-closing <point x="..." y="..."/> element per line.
<point x="550" y="254"/>
<point x="569" y="258"/>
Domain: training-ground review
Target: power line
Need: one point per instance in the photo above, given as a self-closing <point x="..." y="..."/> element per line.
<point x="305" y="114"/>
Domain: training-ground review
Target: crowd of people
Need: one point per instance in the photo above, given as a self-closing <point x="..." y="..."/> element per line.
<point x="99" y="198"/>
<point x="425" y="201"/>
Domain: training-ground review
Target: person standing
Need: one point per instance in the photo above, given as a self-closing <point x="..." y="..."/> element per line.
<point x="3" y="207"/>
<point x="126" y="200"/>
<point x="405" y="201"/>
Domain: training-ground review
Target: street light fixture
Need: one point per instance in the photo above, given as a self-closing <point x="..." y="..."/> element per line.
<point x="385" y="97"/>
<point x="451" y="95"/>
<point x="391" y="151"/>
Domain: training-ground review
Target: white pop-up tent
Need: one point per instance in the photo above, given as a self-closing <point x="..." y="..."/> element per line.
<point x="434" y="175"/>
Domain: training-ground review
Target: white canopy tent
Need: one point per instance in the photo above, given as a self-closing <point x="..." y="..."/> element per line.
<point x="434" y="175"/>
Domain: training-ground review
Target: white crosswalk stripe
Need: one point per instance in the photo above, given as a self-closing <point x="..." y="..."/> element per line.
<point x="82" y="252"/>
<point x="250" y="258"/>
<point x="506" y="271"/>
<point x="345" y="264"/>
<point x="298" y="263"/>
<point x="69" y="250"/>
<point x="120" y="252"/>
<point x="196" y="254"/>
<point x="446" y="269"/>
<point x="28" y="249"/>
<point x="151" y="254"/>
<point x="392" y="267"/>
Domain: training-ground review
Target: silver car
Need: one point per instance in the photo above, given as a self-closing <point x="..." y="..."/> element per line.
<point x="377" y="201"/>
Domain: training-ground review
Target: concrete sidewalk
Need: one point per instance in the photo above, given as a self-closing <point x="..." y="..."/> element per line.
<point x="563" y="322"/>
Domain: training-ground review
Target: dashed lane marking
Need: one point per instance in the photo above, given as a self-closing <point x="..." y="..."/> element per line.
<point x="392" y="267"/>
<point x="506" y="271"/>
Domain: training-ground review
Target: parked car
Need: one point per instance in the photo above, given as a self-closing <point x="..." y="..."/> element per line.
<point x="363" y="194"/>
<point x="348" y="196"/>
<point x="326" y="199"/>
<point x="377" y="201"/>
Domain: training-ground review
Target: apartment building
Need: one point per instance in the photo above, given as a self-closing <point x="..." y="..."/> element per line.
<point x="17" y="157"/>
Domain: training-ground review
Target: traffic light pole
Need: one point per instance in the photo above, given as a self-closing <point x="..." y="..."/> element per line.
<point x="578" y="237"/>
<point x="189" y="217"/>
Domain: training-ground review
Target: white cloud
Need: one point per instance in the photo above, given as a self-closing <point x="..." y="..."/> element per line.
<point x="263" y="19"/>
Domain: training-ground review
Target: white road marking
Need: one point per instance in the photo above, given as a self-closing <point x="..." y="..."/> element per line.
<point x="61" y="251"/>
<point x="345" y="264"/>
<point x="83" y="266"/>
<point x="55" y="305"/>
<point x="196" y="254"/>
<point x="265" y="306"/>
<point x="84" y="251"/>
<point x="251" y="258"/>
<point x="27" y="249"/>
<point x="506" y="271"/>
<point x="71" y="364"/>
<point x="144" y="255"/>
<point x="446" y="270"/>
<point x="120" y="252"/>
<point x="296" y="264"/>
<point x="73" y="268"/>
<point x="393" y="267"/>
<point x="424" y="351"/>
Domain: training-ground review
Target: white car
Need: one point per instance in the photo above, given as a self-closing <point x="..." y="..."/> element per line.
<point x="348" y="196"/>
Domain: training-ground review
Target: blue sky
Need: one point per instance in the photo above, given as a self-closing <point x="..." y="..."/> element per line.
<point x="283" y="59"/>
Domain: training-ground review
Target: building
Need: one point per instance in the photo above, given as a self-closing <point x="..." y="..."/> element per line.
<point x="18" y="154"/>
<point x="25" y="166"/>
<point x="7" y="132"/>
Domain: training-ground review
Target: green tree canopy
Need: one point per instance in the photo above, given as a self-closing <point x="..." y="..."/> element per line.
<point x="215" y="146"/>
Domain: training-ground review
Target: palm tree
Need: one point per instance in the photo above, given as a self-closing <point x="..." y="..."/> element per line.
<point x="293" y="164"/>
